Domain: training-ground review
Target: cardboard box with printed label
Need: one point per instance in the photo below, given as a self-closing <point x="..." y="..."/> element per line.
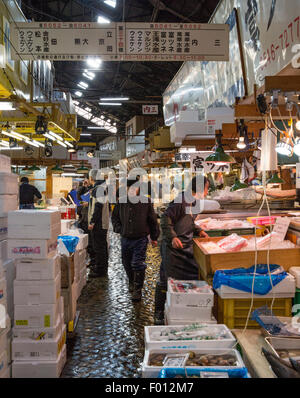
<point x="67" y="270"/>
<point x="34" y="218"/>
<point x="51" y="333"/>
<point x="8" y="203"/>
<point x="40" y="369"/>
<point x="46" y="232"/>
<point x="70" y="303"/>
<point x="21" y="248"/>
<point x="8" y="184"/>
<point x="23" y="349"/>
<point x="3" y="228"/>
<point x="33" y="270"/>
<point x="39" y="315"/>
<point x="37" y="292"/>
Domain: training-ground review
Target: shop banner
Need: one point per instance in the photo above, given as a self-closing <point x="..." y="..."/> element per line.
<point x="198" y="164"/>
<point x="67" y="41"/>
<point x="150" y="109"/>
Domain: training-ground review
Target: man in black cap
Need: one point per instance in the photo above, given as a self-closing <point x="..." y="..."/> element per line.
<point x="27" y="193"/>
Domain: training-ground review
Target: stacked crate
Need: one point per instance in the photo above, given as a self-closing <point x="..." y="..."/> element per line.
<point x="8" y="201"/>
<point x="184" y="308"/>
<point x="39" y="332"/>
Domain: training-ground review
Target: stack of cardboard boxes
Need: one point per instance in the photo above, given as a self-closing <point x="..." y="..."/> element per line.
<point x="8" y="201"/>
<point x="39" y="332"/>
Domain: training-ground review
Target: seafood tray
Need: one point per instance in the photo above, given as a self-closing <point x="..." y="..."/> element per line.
<point x="284" y="347"/>
<point x="191" y="336"/>
<point x="155" y="360"/>
<point x="285" y="320"/>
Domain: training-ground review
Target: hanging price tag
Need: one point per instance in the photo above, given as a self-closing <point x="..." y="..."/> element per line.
<point x="281" y="226"/>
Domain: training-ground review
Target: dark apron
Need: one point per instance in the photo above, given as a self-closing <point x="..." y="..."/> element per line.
<point x="180" y="263"/>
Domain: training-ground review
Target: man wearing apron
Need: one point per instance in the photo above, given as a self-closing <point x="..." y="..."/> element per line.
<point x="178" y="229"/>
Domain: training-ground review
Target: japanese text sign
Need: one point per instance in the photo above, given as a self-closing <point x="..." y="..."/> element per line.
<point x="150" y="109"/>
<point x="198" y="163"/>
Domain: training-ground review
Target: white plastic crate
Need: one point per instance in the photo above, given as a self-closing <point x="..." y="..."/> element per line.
<point x="154" y="341"/>
<point x="37" y="292"/>
<point x="204" y="299"/>
<point x="35" y="218"/>
<point x="40" y="369"/>
<point x="24" y="349"/>
<point x="7" y="204"/>
<point x="295" y="271"/>
<point x="33" y="270"/>
<point x="153" y="371"/>
<point x="31" y="248"/>
<point x="3" y="228"/>
<point x="285" y="289"/>
<point x="50" y="232"/>
<point x="37" y="316"/>
<point x="8" y="184"/>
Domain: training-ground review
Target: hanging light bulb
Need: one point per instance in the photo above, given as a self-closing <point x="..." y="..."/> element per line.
<point x="297" y="146"/>
<point x="298" y="125"/>
<point x="284" y="147"/>
<point x="241" y="144"/>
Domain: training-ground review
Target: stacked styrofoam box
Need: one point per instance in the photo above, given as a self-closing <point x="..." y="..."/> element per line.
<point x="80" y="269"/>
<point x="69" y="286"/>
<point x="189" y="307"/>
<point x="5" y="327"/>
<point x="39" y="333"/>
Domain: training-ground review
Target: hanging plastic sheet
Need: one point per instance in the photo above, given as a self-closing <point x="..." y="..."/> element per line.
<point x="70" y="242"/>
<point x="242" y="278"/>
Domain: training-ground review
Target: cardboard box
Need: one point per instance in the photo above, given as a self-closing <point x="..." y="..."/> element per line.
<point x="23" y="349"/>
<point x="70" y="302"/>
<point x="8" y="184"/>
<point x="67" y="270"/>
<point x="31" y="248"/>
<point x="40" y="369"/>
<point x="43" y="269"/>
<point x="65" y="226"/>
<point x="37" y="292"/>
<point x="10" y="276"/>
<point x="3" y="228"/>
<point x="8" y="203"/>
<point x="3" y="250"/>
<point x="51" y="333"/>
<point x="36" y="316"/>
<point x="46" y="232"/>
<point x="35" y="218"/>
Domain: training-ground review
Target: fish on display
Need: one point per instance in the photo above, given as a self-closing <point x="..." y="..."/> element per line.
<point x="280" y="367"/>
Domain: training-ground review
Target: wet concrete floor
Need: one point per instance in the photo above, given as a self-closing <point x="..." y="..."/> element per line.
<point x="109" y="338"/>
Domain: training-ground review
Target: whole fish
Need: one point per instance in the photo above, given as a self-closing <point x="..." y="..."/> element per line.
<point x="280" y="367"/>
<point x="295" y="364"/>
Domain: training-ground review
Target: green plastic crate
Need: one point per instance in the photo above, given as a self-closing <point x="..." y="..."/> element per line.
<point x="297" y="300"/>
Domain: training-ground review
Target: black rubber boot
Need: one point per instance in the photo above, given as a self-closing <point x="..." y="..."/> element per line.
<point x="160" y="299"/>
<point x="130" y="277"/>
<point x="138" y="283"/>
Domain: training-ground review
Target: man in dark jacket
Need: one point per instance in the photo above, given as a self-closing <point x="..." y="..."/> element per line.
<point x="27" y="194"/>
<point x="178" y="229"/>
<point x="98" y="220"/>
<point x="135" y="221"/>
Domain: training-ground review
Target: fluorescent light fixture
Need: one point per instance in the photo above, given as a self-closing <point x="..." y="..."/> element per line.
<point x="94" y="62"/>
<point x="21" y="136"/>
<point x="49" y="136"/>
<point x="115" y="99"/>
<point x="32" y="143"/>
<point x="4" y="143"/>
<point x="78" y="94"/>
<point x="83" y="85"/>
<point x="93" y="128"/>
<point x="72" y="175"/>
<point x="11" y="135"/>
<point x="11" y="149"/>
<point x="89" y="75"/>
<point x="7" y="106"/>
<point x="39" y="143"/>
<point x="110" y="103"/>
<point x="68" y="144"/>
<point x="56" y="136"/>
<point x="102" y="19"/>
<point x="111" y="3"/>
<point x="85" y="135"/>
<point x="62" y="144"/>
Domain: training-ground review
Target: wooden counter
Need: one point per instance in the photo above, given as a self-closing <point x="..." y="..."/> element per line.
<point x="251" y="343"/>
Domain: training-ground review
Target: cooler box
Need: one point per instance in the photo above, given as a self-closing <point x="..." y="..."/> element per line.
<point x="3" y="228"/>
<point x="8" y="203"/>
<point x="34" y="218"/>
<point x="8" y="184"/>
<point x="33" y="270"/>
<point x="37" y="316"/>
<point x="51" y="333"/>
<point x="46" y="232"/>
<point x="31" y="248"/>
<point x="180" y="320"/>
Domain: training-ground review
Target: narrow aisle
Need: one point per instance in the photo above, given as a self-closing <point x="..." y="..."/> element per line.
<point x="109" y="339"/>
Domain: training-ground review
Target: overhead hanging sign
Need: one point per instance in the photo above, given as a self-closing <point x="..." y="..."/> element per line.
<point x="75" y="41"/>
<point x="150" y="109"/>
<point x="198" y="163"/>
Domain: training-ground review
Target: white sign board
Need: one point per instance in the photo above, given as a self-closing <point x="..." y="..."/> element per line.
<point x="281" y="226"/>
<point x="198" y="163"/>
<point x="65" y="41"/>
<point x="150" y="109"/>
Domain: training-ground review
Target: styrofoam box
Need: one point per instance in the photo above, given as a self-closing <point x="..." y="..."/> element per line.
<point x="3" y="339"/>
<point x="180" y="321"/>
<point x="196" y="313"/>
<point x="7" y="204"/>
<point x="5" y="323"/>
<point x="37" y="292"/>
<point x="31" y="248"/>
<point x="3" y="228"/>
<point x="35" y="333"/>
<point x="3" y="250"/>
<point x="5" y="164"/>
<point x="33" y="270"/>
<point x="40" y="369"/>
<point x="75" y="290"/>
<point x="2" y="273"/>
<point x="10" y="276"/>
<point x="295" y="271"/>
<point x="3" y="363"/>
<point x="286" y="288"/>
<point x="3" y="289"/>
<point x="153" y="371"/>
<point x="190" y="299"/>
<point x="35" y="218"/>
<point x="65" y="225"/>
<point x="41" y="349"/>
<point x="8" y="184"/>
<point x="151" y="343"/>
<point x="37" y="316"/>
<point x="46" y="232"/>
